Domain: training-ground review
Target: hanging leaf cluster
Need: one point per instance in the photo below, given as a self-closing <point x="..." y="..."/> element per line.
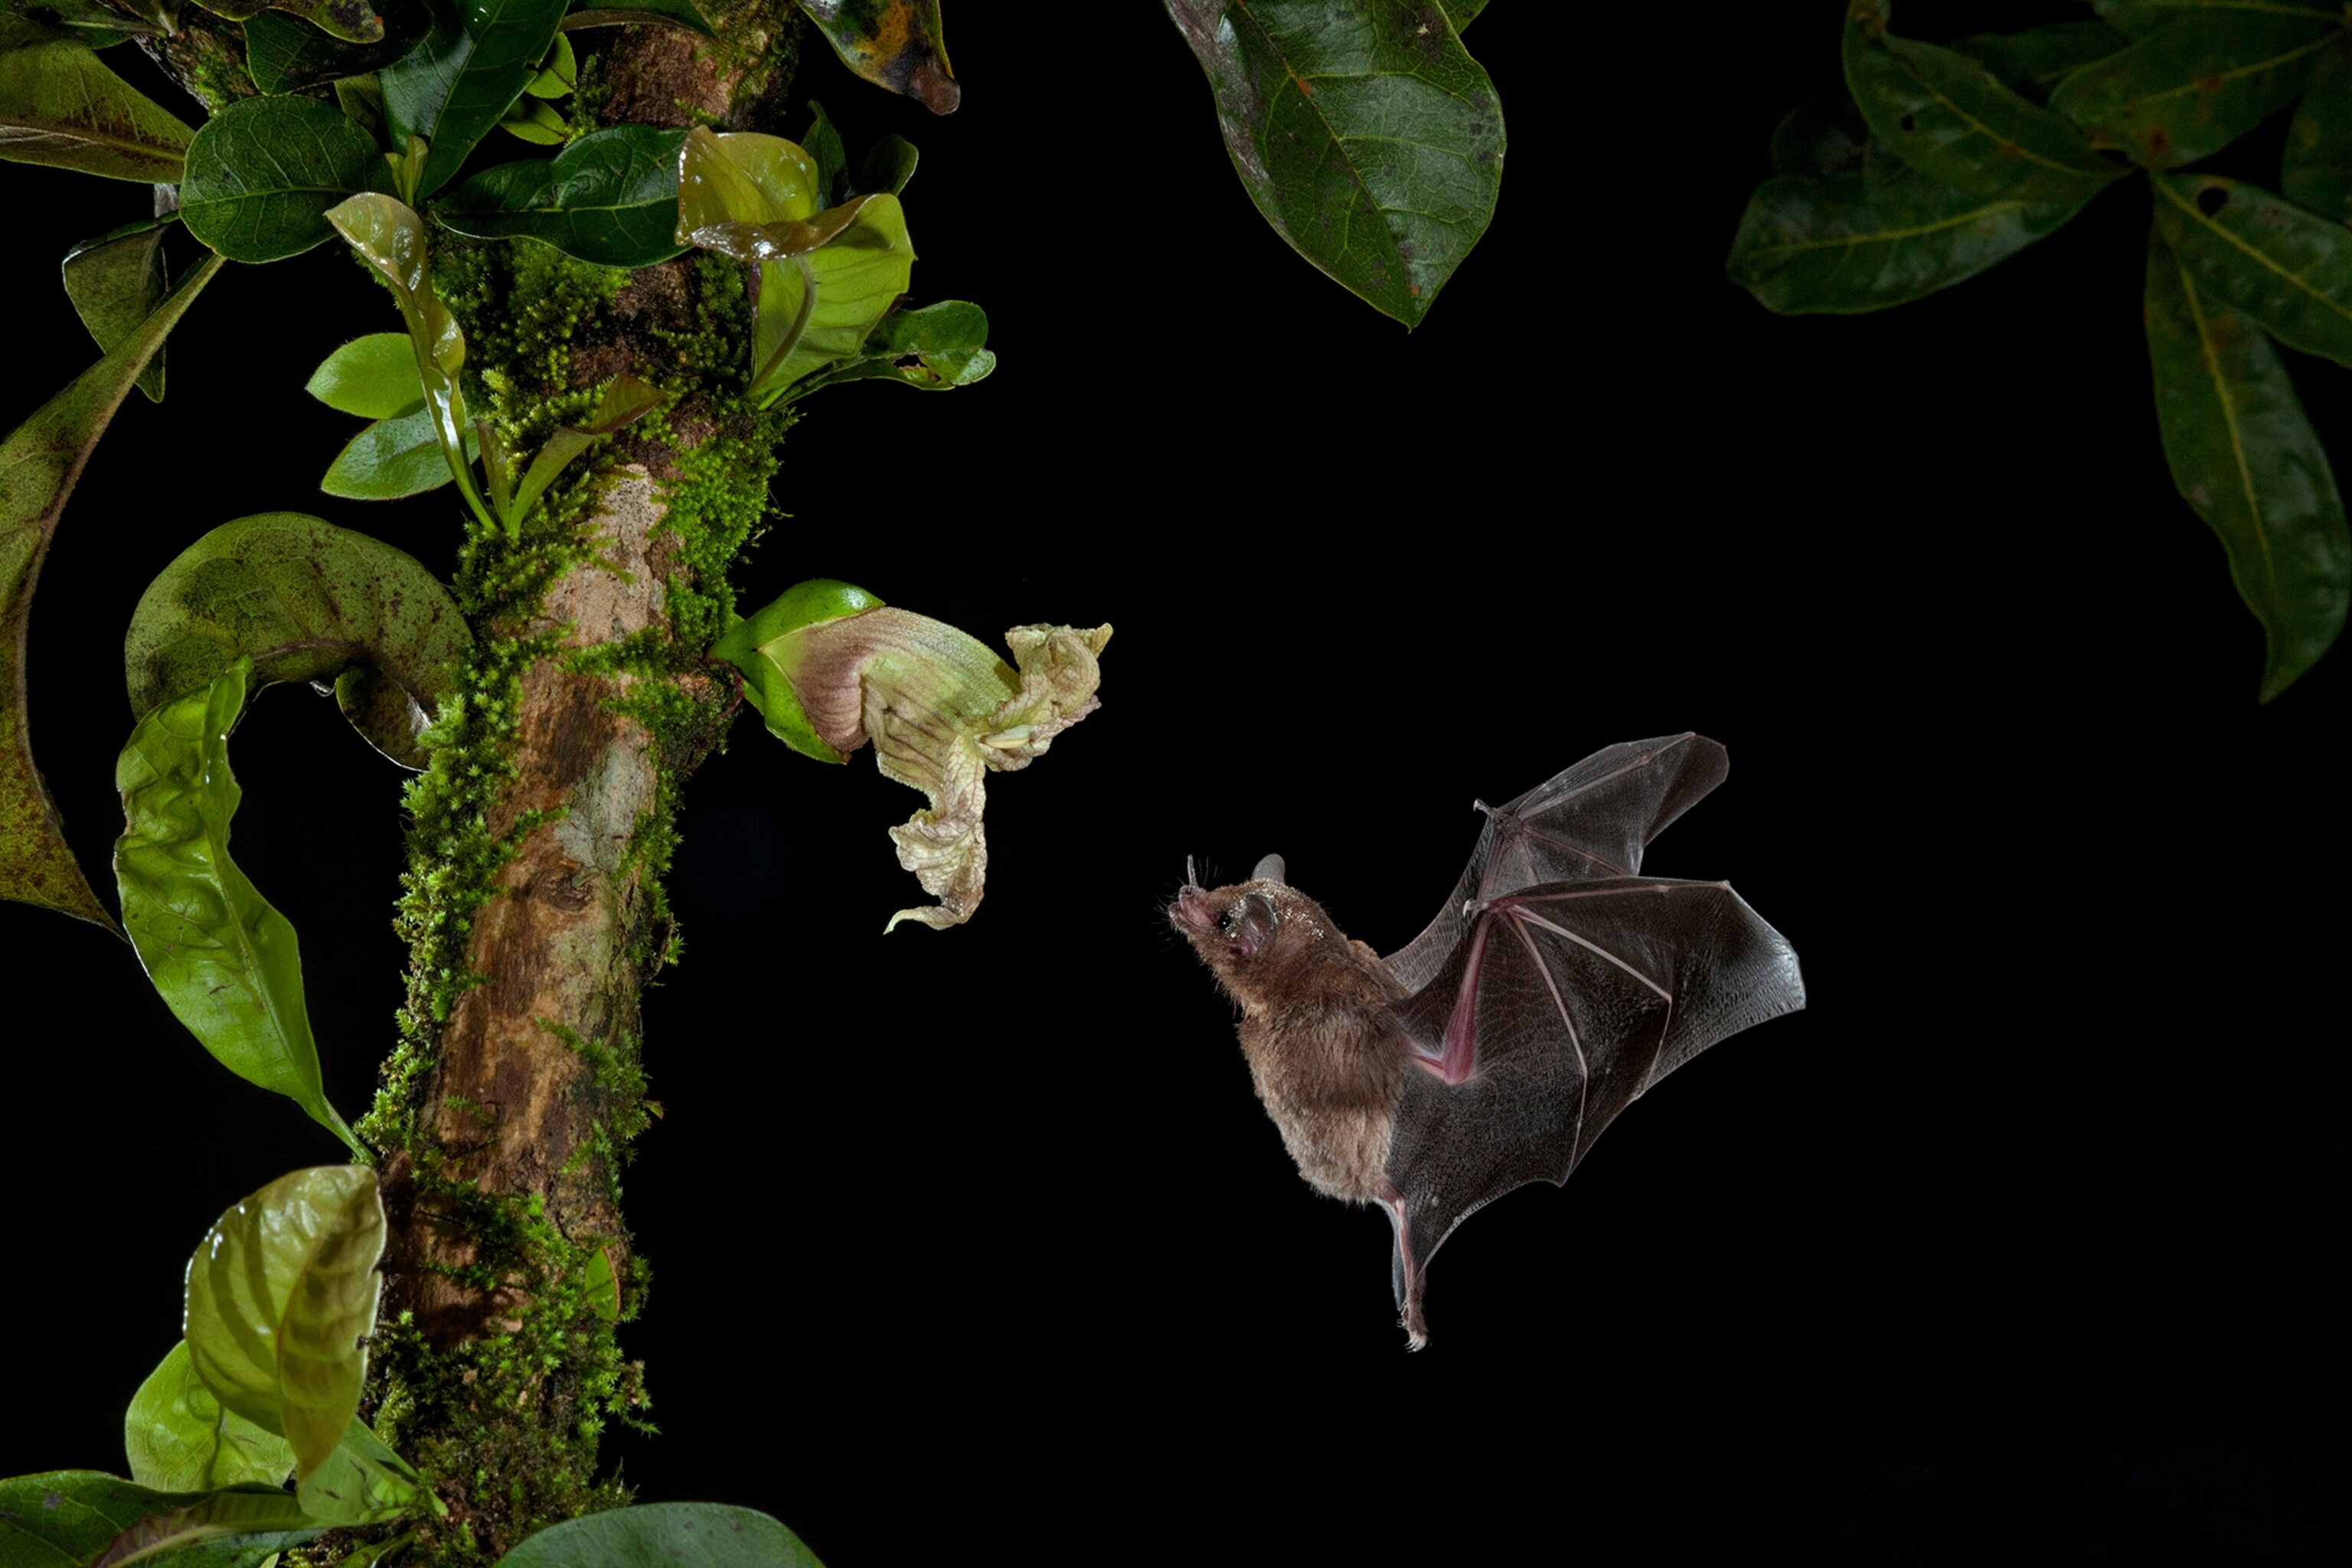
<point x="1949" y="159"/>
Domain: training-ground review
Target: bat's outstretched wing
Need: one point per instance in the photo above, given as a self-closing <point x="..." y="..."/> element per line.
<point x="1559" y="1006"/>
<point x="1588" y="822"/>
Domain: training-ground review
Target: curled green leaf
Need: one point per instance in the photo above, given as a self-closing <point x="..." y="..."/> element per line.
<point x="181" y="1439"/>
<point x="830" y="668"/>
<point x="652" y="13"/>
<point x="263" y="172"/>
<point x="1952" y="120"/>
<point x="935" y="349"/>
<point x="71" y="1517"/>
<point x="2245" y="457"/>
<point x="281" y="1295"/>
<point x="2189" y="89"/>
<point x="115" y="282"/>
<point x="893" y="44"/>
<point x="39" y="462"/>
<point x="609" y="198"/>
<point x="223" y="961"/>
<point x="1846" y="243"/>
<point x="625" y="402"/>
<point x="61" y="105"/>
<point x="820" y="304"/>
<point x="2289" y="270"/>
<point x="286" y="56"/>
<point x="305" y="601"/>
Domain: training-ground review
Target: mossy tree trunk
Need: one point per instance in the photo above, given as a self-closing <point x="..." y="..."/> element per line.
<point x="532" y="903"/>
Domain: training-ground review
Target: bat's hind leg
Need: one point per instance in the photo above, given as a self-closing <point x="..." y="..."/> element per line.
<point x="1406" y="1274"/>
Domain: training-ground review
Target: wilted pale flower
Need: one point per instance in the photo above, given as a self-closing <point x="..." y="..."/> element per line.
<point x="831" y="667"/>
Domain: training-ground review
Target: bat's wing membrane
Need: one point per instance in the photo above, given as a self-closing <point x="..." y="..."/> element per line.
<point x="1558" y="1007"/>
<point x="1588" y="822"/>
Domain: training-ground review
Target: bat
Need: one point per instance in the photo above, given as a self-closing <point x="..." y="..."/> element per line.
<point x="1554" y="988"/>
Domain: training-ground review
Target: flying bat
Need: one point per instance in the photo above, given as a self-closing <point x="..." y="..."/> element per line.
<point x="1556" y="985"/>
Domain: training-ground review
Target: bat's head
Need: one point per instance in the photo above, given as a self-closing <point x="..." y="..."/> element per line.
<point x="1260" y="937"/>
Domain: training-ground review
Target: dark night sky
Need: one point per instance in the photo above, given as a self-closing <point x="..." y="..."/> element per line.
<point x="2016" y="1243"/>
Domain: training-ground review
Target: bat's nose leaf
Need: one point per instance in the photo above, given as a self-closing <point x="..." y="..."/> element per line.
<point x="1268" y="869"/>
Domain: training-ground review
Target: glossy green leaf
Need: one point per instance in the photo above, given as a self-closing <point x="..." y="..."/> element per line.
<point x="223" y="961"/>
<point x="683" y="1534"/>
<point x="610" y="198"/>
<point x="935" y="349"/>
<point x="652" y="13"/>
<point x="180" y="1439"/>
<point x="729" y="186"/>
<point x="625" y="402"/>
<point x="461" y="80"/>
<point x="2039" y="59"/>
<point x="263" y="172"/>
<point x="763" y="649"/>
<point x="352" y="21"/>
<point x="281" y="1292"/>
<point x="859" y="273"/>
<point x="308" y="602"/>
<point x="2189" y="89"/>
<point x="1366" y="136"/>
<point x="2244" y="455"/>
<point x="2289" y="270"/>
<point x="394" y="458"/>
<point x="373" y="377"/>
<point x="61" y="105"/>
<point x="361" y="1482"/>
<point x="1841" y="244"/>
<point x="390" y="238"/>
<point x="889" y="165"/>
<point x="1952" y="120"/>
<point x="66" y="1519"/>
<point x="2317" y="170"/>
<point x="893" y="44"/>
<point x="39" y="462"/>
<point x="2141" y="17"/>
<point x="115" y="282"/>
<point x="286" y="55"/>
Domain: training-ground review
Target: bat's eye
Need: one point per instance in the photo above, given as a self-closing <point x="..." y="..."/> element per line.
<point x="1251" y="923"/>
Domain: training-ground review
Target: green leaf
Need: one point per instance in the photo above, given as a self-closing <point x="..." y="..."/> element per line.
<point x="81" y="1517"/>
<point x="859" y="274"/>
<point x="623" y="402"/>
<point x="223" y="961"/>
<point x="890" y="163"/>
<point x="281" y="1292"/>
<point x="101" y="28"/>
<point x="603" y="1286"/>
<point x="655" y="13"/>
<point x="535" y="123"/>
<point x="2141" y="17"/>
<point x="823" y="145"/>
<point x="688" y="1534"/>
<point x="2318" y="172"/>
<point x="264" y="172"/>
<point x="461" y="80"/>
<point x="390" y="238"/>
<point x="373" y="377"/>
<point x="1841" y="244"/>
<point x="39" y="462"/>
<point x="361" y="1482"/>
<point x="308" y="601"/>
<point x="2039" y="59"/>
<point x="61" y="105"/>
<point x="286" y="55"/>
<point x="935" y="349"/>
<point x="2289" y="270"/>
<point x="1462" y="11"/>
<point x="893" y="44"/>
<point x="181" y="1440"/>
<point x="2191" y="88"/>
<point x="559" y="74"/>
<point x="394" y="458"/>
<point x="115" y="282"/>
<point x="2244" y="455"/>
<point x="1368" y="137"/>
<point x="1952" y="120"/>
<point x="765" y="651"/>
<point x="352" y="21"/>
<point x="610" y="198"/>
<point x="731" y="185"/>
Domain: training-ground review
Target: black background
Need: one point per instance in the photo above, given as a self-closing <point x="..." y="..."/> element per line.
<point x="2024" y="1241"/>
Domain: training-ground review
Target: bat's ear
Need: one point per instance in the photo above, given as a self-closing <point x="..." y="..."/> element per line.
<point x="1268" y="869"/>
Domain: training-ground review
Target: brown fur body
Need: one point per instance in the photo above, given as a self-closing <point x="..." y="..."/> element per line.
<point x="1324" y="1051"/>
